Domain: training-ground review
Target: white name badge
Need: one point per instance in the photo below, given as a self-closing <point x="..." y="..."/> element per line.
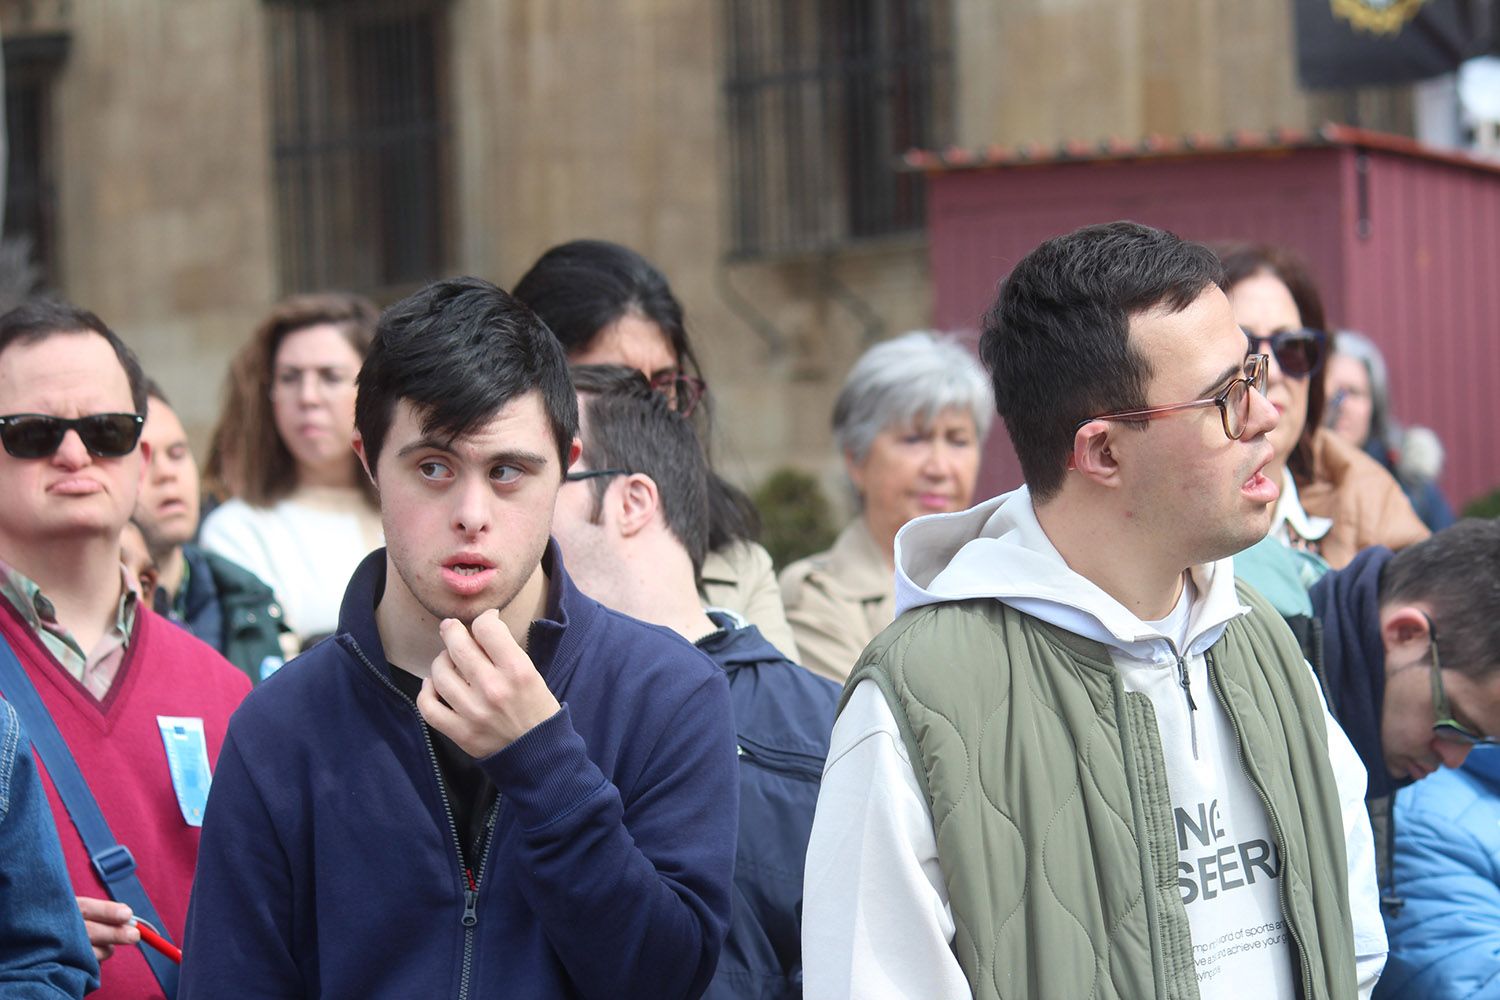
<point x="187" y="758"/>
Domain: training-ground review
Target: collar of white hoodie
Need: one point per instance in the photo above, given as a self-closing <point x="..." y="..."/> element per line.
<point x="999" y="550"/>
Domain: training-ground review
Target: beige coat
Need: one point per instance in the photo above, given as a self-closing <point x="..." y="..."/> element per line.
<point x="1364" y="502"/>
<point x="838" y="600"/>
<point x="740" y="577"/>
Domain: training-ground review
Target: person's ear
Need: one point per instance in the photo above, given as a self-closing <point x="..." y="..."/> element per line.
<point x="1093" y="454"/>
<point x="639" y="503"/>
<point x="856" y="472"/>
<point x="364" y="459"/>
<point x="1403" y="628"/>
<point x="575" y="449"/>
<point x="146" y="450"/>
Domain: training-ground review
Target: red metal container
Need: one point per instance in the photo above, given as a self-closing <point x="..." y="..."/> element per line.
<point x="1403" y="240"/>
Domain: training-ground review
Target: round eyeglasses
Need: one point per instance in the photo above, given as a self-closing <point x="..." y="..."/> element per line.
<point x="1233" y="401"/>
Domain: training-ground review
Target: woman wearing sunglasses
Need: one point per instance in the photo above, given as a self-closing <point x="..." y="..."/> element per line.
<point x="1335" y="500"/>
<point x="608" y="305"/>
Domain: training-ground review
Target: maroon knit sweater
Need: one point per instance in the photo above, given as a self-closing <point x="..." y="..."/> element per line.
<point x="118" y="747"/>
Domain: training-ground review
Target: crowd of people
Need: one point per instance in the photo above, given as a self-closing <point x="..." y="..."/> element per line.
<point x="472" y="678"/>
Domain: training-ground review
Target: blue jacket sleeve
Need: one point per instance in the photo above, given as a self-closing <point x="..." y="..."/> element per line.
<point x="634" y="895"/>
<point x="235" y="944"/>
<point x="1446" y="940"/>
<point x="44" y="952"/>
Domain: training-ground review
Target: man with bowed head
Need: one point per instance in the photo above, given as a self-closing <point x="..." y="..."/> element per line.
<point x="1081" y="762"/>
<point x="485" y="783"/>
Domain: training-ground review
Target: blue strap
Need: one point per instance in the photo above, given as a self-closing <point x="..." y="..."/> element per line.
<point x="112" y="861"/>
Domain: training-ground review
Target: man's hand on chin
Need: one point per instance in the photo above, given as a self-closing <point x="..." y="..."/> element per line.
<point x="483" y="692"/>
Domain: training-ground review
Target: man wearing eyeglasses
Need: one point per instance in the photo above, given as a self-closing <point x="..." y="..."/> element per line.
<point x="104" y="667"/>
<point x="1082" y="762"/>
<point x="1409" y="661"/>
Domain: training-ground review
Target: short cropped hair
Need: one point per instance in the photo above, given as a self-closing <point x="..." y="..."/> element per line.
<point x="1456" y="573"/>
<point x="458" y="351"/>
<point x="905" y="382"/>
<point x="38" y="319"/>
<point x="1057" y="340"/>
<point x="633" y="427"/>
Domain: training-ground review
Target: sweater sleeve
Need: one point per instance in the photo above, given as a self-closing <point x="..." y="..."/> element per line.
<point x="44" y="953"/>
<point x="236" y="939"/>
<point x="1446" y="939"/>
<point x="876" y="921"/>
<point x="633" y="895"/>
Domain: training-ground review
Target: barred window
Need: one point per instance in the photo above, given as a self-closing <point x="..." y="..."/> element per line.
<point x="823" y="96"/>
<point x="360" y="142"/>
<point x="30" y="258"/>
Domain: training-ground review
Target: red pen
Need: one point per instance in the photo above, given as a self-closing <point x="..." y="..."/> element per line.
<point x="149" y="935"/>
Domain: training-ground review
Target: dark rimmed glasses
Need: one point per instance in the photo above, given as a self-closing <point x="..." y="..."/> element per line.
<point x="1300" y="353"/>
<point x="1446" y="727"/>
<point x="37" y="435"/>
<point x="684" y="392"/>
<point x="1233" y="401"/>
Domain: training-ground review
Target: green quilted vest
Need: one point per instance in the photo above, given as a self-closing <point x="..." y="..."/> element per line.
<point x="1051" y="810"/>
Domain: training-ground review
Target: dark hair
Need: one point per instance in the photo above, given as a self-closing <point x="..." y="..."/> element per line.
<point x="1244" y="260"/>
<point x="1057" y="340"/>
<point x="458" y="351"/>
<point x="38" y="319"/>
<point x="1456" y="573"/>
<point x="632" y="427"/>
<point x="581" y="288"/>
<point x="246" y="453"/>
<point x="154" y="391"/>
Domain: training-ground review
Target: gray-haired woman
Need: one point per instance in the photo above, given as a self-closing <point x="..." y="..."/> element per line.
<point x="909" y="422"/>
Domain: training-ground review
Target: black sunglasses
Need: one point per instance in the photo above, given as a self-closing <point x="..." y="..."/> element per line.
<point x="36" y="435"/>
<point x="1300" y="353"/>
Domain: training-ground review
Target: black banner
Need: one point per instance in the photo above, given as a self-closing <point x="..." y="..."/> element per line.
<point x="1353" y="43"/>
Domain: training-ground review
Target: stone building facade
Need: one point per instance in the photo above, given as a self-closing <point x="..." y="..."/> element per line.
<point x="195" y="159"/>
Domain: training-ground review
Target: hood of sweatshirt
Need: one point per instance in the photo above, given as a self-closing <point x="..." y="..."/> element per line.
<point x="999" y="550"/>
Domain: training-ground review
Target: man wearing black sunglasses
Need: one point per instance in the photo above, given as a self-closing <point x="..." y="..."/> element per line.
<point x="1411" y="660"/>
<point x="104" y="668"/>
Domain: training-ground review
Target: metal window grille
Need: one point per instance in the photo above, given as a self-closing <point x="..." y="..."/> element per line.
<point x="360" y="142"/>
<point x="823" y="96"/>
<point x="32" y="64"/>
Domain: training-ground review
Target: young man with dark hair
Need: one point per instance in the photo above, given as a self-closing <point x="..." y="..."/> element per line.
<point x="1411" y="660"/>
<point x="219" y="601"/>
<point x="1080" y="762"/>
<point x="633" y="525"/>
<point x="140" y="705"/>
<point x="484" y="783"/>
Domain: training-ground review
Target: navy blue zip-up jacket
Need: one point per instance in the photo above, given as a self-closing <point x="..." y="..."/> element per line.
<point x="330" y="865"/>
<point x="783" y="717"/>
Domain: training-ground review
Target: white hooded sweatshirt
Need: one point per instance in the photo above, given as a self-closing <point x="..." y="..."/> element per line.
<point x="876" y="917"/>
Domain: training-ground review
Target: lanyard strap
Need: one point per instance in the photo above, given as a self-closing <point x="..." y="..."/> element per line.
<point x="112" y="860"/>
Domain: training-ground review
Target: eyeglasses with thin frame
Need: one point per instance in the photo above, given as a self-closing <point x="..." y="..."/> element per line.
<point x="582" y="474"/>
<point x="1445" y="726"/>
<point x="39" y="435"/>
<point x="1233" y="401"/>
<point x="684" y="392"/>
<point x="1300" y="353"/>
<point x="328" y="381"/>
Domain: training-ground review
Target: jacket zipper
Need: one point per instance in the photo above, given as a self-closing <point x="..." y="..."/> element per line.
<point x="785" y="762"/>
<point x="1265" y="800"/>
<point x="471" y="882"/>
<point x="1187" y="689"/>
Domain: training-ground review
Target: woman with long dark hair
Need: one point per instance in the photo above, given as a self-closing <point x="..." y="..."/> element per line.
<point x="1335" y="500"/>
<point x="607" y="304"/>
